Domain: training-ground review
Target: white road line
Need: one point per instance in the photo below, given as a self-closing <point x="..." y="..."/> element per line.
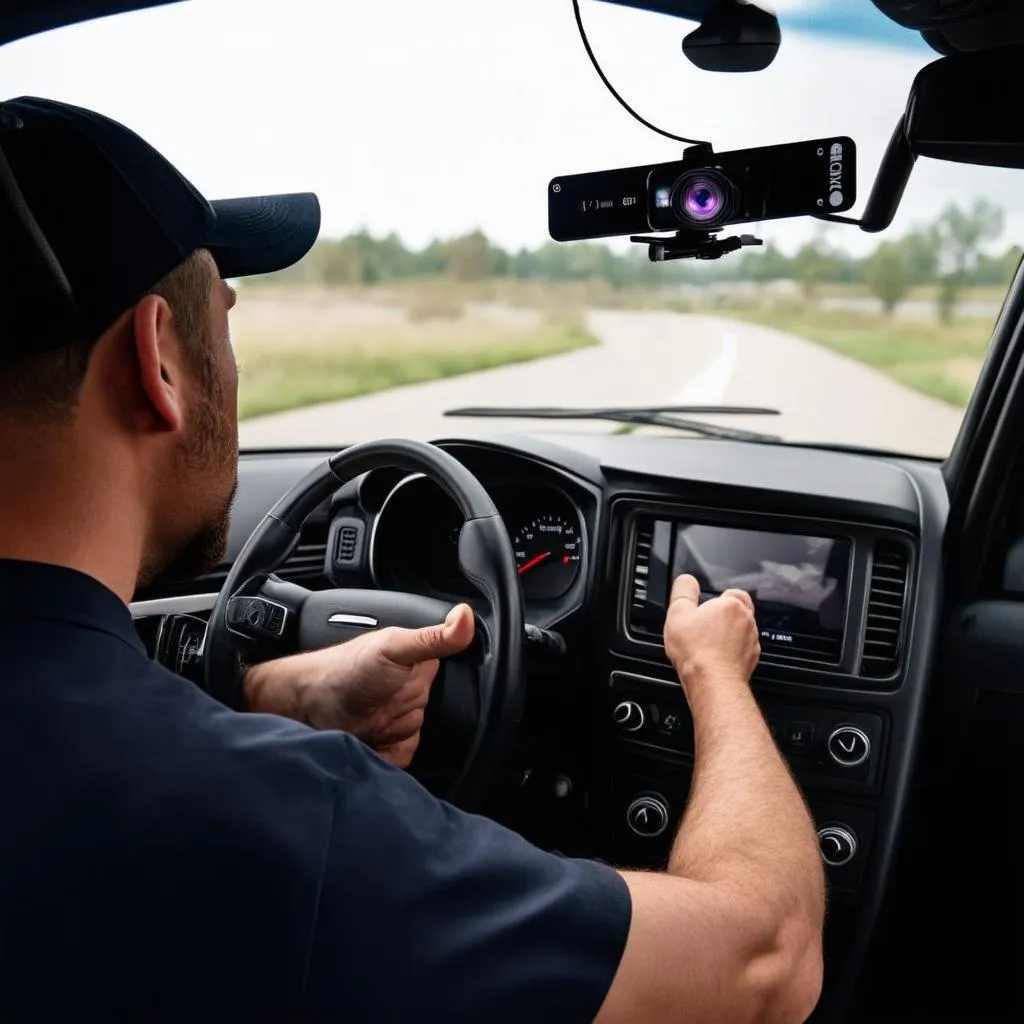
<point x="708" y="387"/>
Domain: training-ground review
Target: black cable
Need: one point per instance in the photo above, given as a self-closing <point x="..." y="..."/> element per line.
<point x="611" y="88"/>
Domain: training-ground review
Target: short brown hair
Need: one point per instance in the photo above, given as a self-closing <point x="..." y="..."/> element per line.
<point x="45" y="388"/>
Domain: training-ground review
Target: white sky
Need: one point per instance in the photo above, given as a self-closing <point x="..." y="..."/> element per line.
<point x="432" y="117"/>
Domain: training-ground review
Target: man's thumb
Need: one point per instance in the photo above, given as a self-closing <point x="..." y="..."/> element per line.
<point x="448" y="638"/>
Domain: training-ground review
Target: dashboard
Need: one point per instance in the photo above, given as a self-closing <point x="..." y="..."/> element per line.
<point x="841" y="552"/>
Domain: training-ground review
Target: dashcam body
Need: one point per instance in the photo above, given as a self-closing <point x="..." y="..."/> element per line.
<point x="706" y="191"/>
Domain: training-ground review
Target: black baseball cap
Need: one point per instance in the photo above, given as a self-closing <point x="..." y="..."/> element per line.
<point x="92" y="216"/>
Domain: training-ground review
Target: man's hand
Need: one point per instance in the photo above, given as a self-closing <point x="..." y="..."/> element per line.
<point x="717" y="639"/>
<point x="375" y="687"/>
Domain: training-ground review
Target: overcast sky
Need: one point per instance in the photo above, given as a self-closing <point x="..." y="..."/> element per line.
<point x="432" y="117"/>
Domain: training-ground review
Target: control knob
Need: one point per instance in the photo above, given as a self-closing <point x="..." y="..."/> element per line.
<point x="629" y="716"/>
<point x="848" y="746"/>
<point x="647" y="816"/>
<point x="838" y="845"/>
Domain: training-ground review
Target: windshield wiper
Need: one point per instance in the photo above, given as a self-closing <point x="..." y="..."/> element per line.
<point x="675" y="417"/>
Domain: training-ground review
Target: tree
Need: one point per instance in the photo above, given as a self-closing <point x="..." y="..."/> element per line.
<point x="920" y="252"/>
<point x="886" y="274"/>
<point x="961" y="235"/>
<point x="765" y="264"/>
<point x="814" y="263"/>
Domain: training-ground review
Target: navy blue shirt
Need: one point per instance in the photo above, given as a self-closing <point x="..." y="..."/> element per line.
<point x="165" y="858"/>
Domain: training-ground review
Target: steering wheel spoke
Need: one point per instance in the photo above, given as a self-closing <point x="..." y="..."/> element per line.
<point x="265" y="611"/>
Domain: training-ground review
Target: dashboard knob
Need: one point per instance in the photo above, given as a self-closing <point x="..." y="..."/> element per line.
<point x="647" y="816"/>
<point x="629" y="716"/>
<point x="848" y="746"/>
<point x="838" y="845"/>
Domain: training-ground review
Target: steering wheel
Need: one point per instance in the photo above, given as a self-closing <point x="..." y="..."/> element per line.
<point x="477" y="698"/>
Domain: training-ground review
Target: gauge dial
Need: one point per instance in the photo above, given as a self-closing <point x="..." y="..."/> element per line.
<point x="547" y="550"/>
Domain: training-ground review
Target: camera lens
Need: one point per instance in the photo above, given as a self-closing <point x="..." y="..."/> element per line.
<point x="702" y="197"/>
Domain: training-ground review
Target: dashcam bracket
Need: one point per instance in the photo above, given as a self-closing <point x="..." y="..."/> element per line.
<point x="692" y="245"/>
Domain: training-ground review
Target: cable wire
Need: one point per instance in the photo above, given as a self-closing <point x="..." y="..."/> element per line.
<point x="608" y="85"/>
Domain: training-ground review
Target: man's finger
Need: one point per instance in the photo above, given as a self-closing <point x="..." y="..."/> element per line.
<point x="454" y="635"/>
<point x="685" y="588"/>
<point x="740" y="595"/>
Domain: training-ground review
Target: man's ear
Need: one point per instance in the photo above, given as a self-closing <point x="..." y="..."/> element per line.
<point x="159" y="361"/>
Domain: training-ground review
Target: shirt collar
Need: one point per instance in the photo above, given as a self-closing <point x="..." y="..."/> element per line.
<point x="38" y="590"/>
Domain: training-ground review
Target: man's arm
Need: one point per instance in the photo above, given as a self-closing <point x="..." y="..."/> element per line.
<point x="732" y="932"/>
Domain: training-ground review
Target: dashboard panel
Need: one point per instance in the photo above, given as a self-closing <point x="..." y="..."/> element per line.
<point x="842" y="551"/>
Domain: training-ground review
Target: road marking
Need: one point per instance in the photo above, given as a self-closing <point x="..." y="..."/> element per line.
<point x="709" y="385"/>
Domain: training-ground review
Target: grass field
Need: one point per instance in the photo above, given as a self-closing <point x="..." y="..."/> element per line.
<point x="941" y="360"/>
<point x="298" y="348"/>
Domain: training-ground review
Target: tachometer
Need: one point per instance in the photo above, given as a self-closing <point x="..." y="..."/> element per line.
<point x="547" y="550"/>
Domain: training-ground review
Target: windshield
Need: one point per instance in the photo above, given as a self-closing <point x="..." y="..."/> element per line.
<point x="430" y="132"/>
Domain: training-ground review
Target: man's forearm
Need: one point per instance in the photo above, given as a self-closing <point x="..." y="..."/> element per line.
<point x="746" y="823"/>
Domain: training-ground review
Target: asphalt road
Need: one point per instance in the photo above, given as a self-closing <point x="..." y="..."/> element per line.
<point x="643" y="359"/>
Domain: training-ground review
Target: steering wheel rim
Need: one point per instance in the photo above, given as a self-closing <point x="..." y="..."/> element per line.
<point x="485" y="556"/>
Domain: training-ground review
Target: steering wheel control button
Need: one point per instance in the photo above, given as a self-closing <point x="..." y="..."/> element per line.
<point x="275" y="619"/>
<point x="838" y="845"/>
<point x="798" y="737"/>
<point x="629" y="716"/>
<point x="647" y="816"/>
<point x="255" y="616"/>
<point x="848" y="746"/>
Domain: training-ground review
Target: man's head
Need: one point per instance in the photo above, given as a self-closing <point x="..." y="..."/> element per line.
<point x="114" y="341"/>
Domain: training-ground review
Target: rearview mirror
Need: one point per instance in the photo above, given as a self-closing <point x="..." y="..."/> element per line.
<point x="961" y="108"/>
<point x="965" y="108"/>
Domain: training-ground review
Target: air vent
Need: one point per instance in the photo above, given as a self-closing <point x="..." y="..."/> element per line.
<point x="883" y="629"/>
<point x="640" y="576"/>
<point x="348" y="536"/>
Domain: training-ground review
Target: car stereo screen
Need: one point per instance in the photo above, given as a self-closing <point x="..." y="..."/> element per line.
<point x="798" y="583"/>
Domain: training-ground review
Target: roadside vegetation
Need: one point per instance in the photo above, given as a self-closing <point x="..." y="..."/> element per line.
<point x="364" y="313"/>
<point x="305" y="346"/>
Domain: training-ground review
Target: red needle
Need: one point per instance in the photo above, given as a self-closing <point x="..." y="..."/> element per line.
<point x="534" y="561"/>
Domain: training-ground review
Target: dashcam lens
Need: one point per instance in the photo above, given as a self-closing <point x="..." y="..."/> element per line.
<point x="702" y="197"/>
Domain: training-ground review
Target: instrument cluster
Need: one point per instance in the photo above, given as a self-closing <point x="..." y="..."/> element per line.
<point x="414" y="539"/>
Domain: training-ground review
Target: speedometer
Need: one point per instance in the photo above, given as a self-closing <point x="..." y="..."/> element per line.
<point x="547" y="550"/>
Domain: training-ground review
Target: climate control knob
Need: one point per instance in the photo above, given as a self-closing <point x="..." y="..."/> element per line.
<point x="838" y="845"/>
<point x="629" y="716"/>
<point x="647" y="816"/>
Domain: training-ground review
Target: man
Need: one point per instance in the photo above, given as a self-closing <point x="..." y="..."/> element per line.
<point x="166" y="858"/>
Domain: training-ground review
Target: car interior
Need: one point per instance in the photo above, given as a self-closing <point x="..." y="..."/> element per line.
<point x="891" y="669"/>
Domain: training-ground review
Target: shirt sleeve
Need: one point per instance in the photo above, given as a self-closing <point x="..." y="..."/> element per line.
<point x="429" y="913"/>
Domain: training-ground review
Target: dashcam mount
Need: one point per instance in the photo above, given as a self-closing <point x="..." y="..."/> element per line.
<point x="692" y="245"/>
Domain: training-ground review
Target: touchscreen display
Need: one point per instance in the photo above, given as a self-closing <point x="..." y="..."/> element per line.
<point x="798" y="583"/>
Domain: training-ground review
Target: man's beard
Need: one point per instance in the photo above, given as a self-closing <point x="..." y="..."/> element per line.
<point x="205" y="550"/>
<point x="210" y="448"/>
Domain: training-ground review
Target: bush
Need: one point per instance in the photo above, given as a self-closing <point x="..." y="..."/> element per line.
<point x="434" y="303"/>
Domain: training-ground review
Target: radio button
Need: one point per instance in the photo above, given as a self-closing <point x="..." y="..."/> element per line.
<point x="798" y="737"/>
<point x="629" y="716"/>
<point x="838" y="845"/>
<point x="647" y="816"/>
<point x="848" y="746"/>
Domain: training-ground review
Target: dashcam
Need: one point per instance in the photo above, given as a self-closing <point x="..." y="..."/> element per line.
<point x="706" y="191"/>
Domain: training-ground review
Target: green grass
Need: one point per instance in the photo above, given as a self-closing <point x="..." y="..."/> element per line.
<point x="941" y="360"/>
<point x="275" y="378"/>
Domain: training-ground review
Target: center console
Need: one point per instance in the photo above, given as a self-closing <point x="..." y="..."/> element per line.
<point x="832" y="603"/>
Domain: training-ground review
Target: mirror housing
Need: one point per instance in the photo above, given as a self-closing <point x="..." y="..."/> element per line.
<point x="733" y="36"/>
<point x="965" y="108"/>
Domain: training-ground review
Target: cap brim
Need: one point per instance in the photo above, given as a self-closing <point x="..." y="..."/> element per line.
<point x="262" y="234"/>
